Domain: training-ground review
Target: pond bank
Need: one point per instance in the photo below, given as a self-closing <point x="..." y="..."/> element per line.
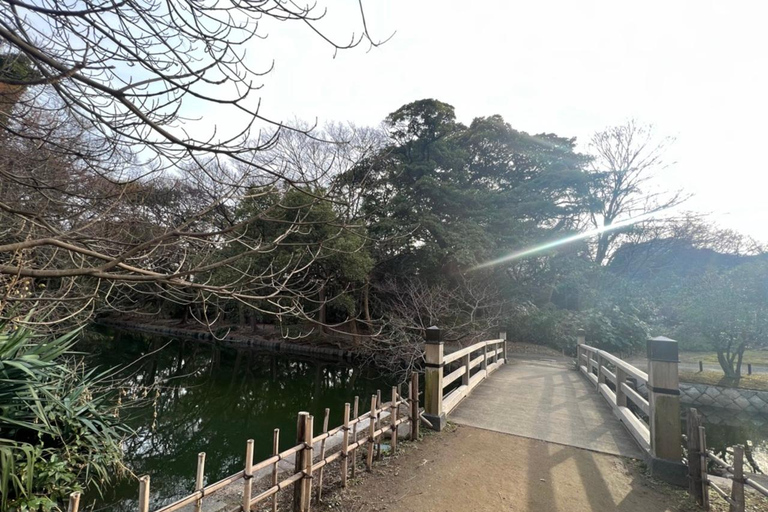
<point x="234" y="338"/>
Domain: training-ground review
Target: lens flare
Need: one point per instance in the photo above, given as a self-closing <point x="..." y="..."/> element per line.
<point x="562" y="241"/>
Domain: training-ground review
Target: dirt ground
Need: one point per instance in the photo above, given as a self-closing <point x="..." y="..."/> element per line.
<point x="473" y="470"/>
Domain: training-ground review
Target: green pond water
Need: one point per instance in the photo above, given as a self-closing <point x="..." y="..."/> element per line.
<point x="212" y="398"/>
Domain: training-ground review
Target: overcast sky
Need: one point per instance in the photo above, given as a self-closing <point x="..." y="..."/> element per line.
<point x="697" y="70"/>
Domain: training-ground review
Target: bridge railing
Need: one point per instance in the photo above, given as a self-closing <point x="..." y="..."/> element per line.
<point x="601" y="367"/>
<point x="470" y="364"/>
<point x="653" y="422"/>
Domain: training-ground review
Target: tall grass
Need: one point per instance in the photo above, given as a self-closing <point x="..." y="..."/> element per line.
<point x="60" y="429"/>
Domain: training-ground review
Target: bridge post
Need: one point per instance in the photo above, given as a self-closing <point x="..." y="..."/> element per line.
<point x="503" y="336"/>
<point x="664" y="411"/>
<point x="581" y="339"/>
<point x="433" y="382"/>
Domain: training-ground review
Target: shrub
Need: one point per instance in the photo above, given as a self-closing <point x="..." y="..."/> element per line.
<point x="59" y="431"/>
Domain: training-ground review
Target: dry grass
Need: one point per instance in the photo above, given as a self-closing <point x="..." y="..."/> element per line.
<point x="750" y="356"/>
<point x="757" y="382"/>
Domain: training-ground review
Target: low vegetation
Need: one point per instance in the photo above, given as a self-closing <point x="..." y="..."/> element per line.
<point x="59" y="430"/>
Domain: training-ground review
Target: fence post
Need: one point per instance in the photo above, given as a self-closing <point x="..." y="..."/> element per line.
<point x="737" y="485"/>
<point x="433" y="385"/>
<point x="306" y="482"/>
<point x="298" y="495"/>
<point x="703" y="464"/>
<point x="695" y="485"/>
<point x="393" y="419"/>
<point x="74" y="502"/>
<point x="248" y="476"/>
<point x="345" y="446"/>
<point x="275" y="469"/>
<point x="322" y="449"/>
<point x="353" y="454"/>
<point x="664" y="411"/>
<point x="415" y="406"/>
<point x="199" y="479"/>
<point x="503" y="336"/>
<point x="371" y="432"/>
<point x="144" y="494"/>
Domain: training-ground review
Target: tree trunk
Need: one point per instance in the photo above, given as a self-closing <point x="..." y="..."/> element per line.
<point x="366" y="302"/>
<point x="725" y="363"/>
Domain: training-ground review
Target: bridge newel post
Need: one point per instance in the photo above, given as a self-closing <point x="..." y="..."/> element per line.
<point x="664" y="411"/>
<point x="503" y="336"/>
<point x="581" y="339"/>
<point x="433" y="383"/>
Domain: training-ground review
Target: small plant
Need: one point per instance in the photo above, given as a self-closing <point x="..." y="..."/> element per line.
<point x="59" y="430"/>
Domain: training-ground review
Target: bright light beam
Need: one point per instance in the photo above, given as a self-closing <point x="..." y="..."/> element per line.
<point x="567" y="240"/>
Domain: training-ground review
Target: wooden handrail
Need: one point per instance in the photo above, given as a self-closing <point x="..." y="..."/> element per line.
<point x="453" y="356"/>
<point x="471" y="370"/>
<point x="628" y="368"/>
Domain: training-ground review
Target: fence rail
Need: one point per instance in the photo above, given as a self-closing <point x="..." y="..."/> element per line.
<point x="699" y="481"/>
<point x="308" y="468"/>
<point x="471" y="365"/>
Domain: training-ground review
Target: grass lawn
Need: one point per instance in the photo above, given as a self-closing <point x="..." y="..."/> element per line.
<point x="757" y="381"/>
<point x="750" y="356"/>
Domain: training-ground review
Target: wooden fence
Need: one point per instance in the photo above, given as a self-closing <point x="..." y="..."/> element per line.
<point x="699" y="480"/>
<point x="310" y="456"/>
<point x="470" y="364"/>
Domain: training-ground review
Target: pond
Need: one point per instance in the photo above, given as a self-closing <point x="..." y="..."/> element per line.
<point x="726" y="429"/>
<point x="211" y="398"/>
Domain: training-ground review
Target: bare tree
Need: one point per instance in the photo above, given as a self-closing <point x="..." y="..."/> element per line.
<point x="626" y="160"/>
<point x="107" y="199"/>
<point x="467" y="312"/>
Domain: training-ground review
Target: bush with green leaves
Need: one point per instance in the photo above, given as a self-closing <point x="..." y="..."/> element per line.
<point x="609" y="328"/>
<point x="60" y="429"/>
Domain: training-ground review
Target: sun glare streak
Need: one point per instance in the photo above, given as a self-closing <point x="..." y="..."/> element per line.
<point x="567" y="240"/>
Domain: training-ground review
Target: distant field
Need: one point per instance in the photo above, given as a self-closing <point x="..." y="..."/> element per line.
<point x="758" y="382"/>
<point x="750" y="356"/>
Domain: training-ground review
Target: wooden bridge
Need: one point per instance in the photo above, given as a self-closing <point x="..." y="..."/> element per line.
<point x="601" y="403"/>
<point x="598" y="408"/>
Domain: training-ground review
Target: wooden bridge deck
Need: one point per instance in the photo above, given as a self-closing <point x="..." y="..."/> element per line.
<point x="549" y="401"/>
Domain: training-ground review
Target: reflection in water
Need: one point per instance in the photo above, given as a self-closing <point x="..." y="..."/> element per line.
<point x="211" y="399"/>
<point x="726" y="429"/>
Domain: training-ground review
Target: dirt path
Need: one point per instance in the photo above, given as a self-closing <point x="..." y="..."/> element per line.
<point x="474" y="470"/>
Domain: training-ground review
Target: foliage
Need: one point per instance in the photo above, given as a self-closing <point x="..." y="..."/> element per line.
<point x="60" y="433"/>
<point x="450" y="196"/>
<point x="614" y="330"/>
<point x="730" y="310"/>
<point x="548" y="326"/>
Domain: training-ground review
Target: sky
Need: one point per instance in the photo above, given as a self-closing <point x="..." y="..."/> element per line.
<point x="696" y="70"/>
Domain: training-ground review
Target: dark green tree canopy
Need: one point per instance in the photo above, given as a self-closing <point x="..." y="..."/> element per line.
<point x="453" y="196"/>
